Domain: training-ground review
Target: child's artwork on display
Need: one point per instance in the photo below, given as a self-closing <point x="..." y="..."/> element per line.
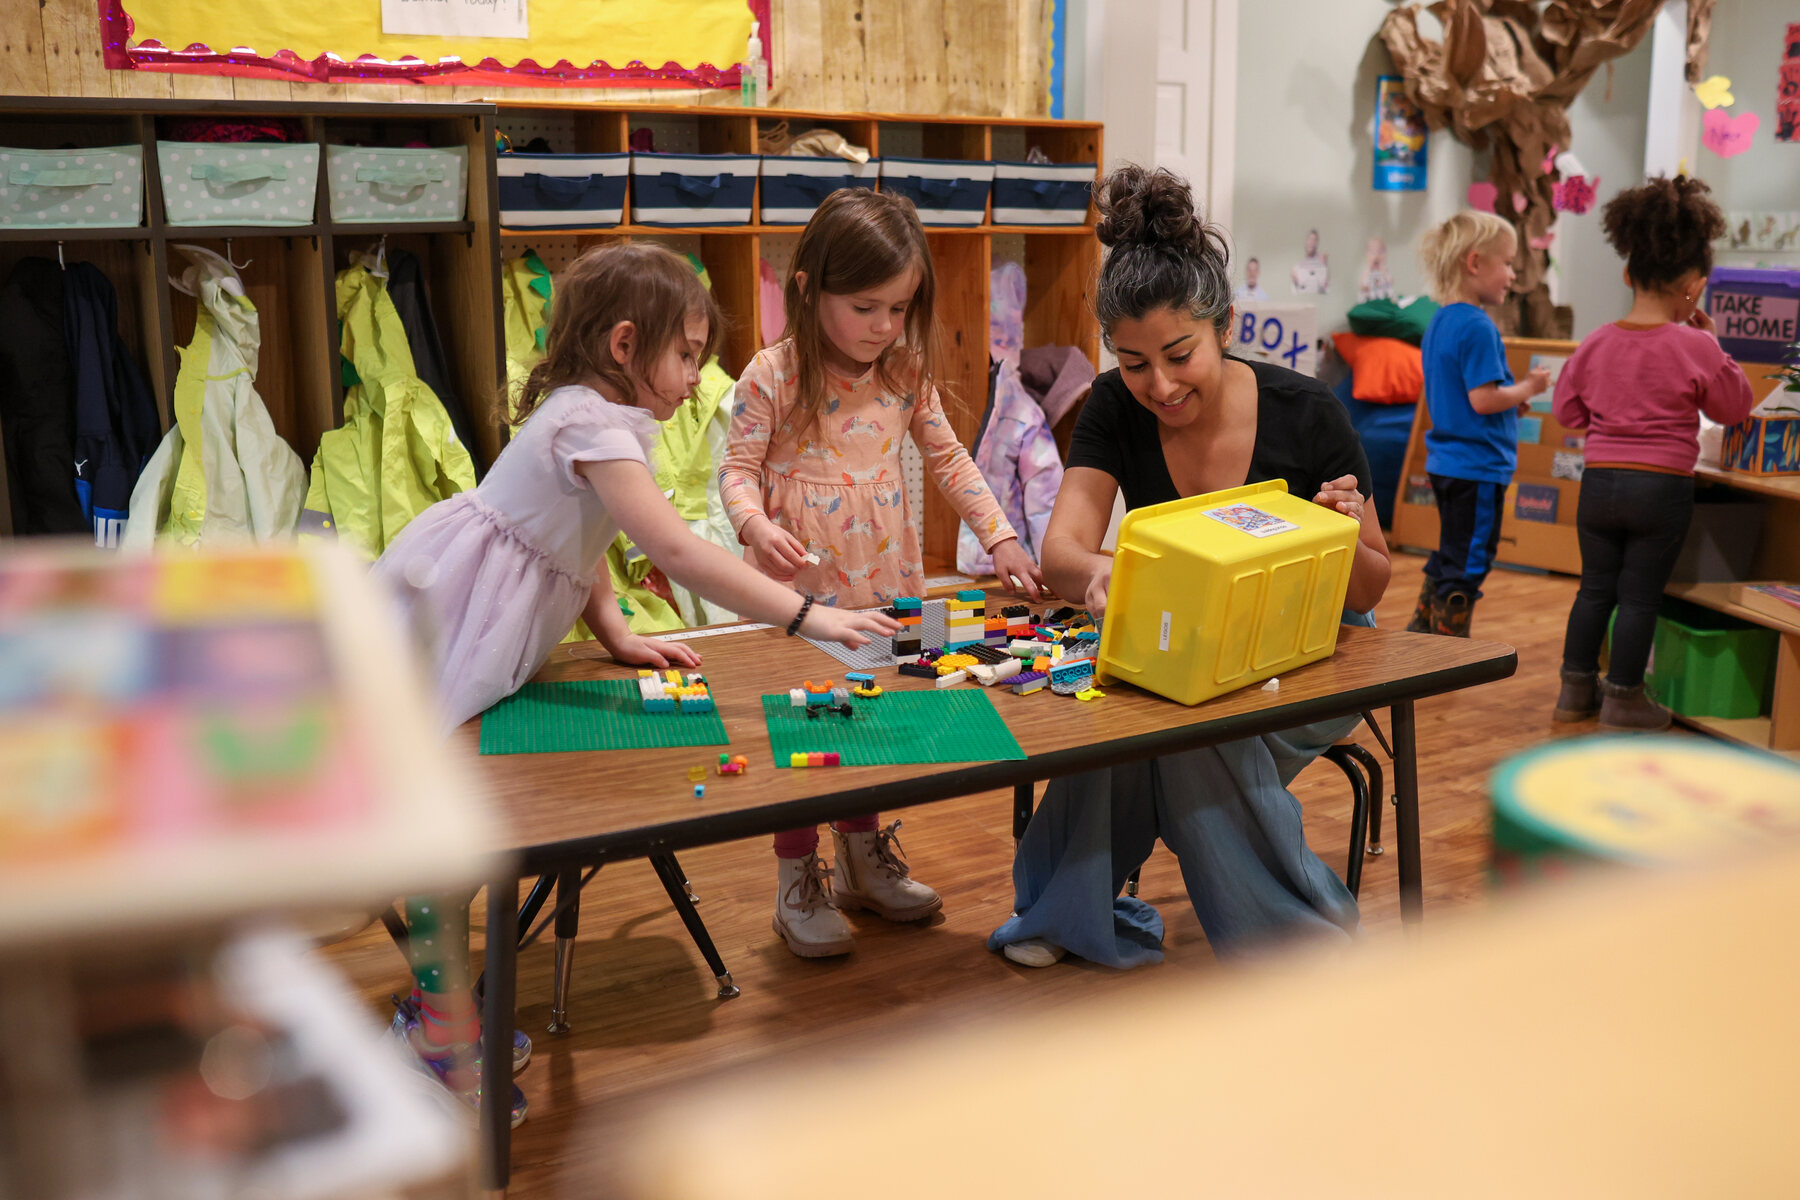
<point x="1251" y="520"/>
<point x="1568" y="464"/>
<point x="1714" y="92"/>
<point x="1726" y="135"/>
<point x="1400" y="144"/>
<point x="1531" y="430"/>
<point x="1251" y="288"/>
<point x="1787" y="88"/>
<point x="1311" y="276"/>
<point x="1376" y="282"/>
<point x="1552" y="363"/>
<point x="1284" y="334"/>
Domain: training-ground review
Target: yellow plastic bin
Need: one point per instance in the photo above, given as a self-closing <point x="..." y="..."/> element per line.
<point x="1218" y="591"/>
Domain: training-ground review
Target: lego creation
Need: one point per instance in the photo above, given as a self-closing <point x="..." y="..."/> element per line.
<point x="924" y="726"/>
<point x="733" y="764"/>
<point x="590" y="714"/>
<point x="667" y="692"/>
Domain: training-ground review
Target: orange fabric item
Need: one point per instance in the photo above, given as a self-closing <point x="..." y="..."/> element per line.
<point x="1385" y="370"/>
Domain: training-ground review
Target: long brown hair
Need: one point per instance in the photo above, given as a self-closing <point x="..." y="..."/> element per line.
<point x="859" y="239"/>
<point x="641" y="282"/>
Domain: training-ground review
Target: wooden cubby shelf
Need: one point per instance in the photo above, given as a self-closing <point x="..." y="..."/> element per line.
<point x="292" y="272"/>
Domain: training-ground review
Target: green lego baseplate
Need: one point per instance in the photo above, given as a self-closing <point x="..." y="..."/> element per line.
<point x="960" y="725"/>
<point x="590" y="714"/>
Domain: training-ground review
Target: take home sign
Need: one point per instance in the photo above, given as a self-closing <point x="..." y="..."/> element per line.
<point x="1757" y="312"/>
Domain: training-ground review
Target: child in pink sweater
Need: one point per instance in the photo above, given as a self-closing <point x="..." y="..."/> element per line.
<point x="1638" y="386"/>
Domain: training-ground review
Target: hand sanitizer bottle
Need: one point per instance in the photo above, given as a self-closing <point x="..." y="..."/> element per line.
<point x="755" y="72"/>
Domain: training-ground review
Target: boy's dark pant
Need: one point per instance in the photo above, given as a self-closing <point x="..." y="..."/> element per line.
<point x="1469" y="515"/>
<point x="1631" y="525"/>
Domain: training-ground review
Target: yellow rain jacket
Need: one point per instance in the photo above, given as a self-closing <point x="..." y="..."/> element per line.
<point x="397" y="453"/>
<point x="525" y="297"/>
<point x="222" y="472"/>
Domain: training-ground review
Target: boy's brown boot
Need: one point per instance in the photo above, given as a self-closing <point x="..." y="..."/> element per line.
<point x="1579" y="698"/>
<point x="1629" y="709"/>
<point x="1450" y="616"/>
<point x="1421" y="618"/>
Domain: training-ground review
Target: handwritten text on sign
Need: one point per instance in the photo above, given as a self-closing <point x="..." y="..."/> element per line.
<point x="456" y="18"/>
<point x="1757" y="318"/>
<point x="1284" y="334"/>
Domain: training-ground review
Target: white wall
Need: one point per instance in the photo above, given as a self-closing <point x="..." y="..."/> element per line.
<point x="1746" y="47"/>
<point x="1305" y="150"/>
<point x="1608" y="138"/>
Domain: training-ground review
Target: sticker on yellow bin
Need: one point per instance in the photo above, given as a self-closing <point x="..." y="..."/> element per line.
<point x="1206" y="598"/>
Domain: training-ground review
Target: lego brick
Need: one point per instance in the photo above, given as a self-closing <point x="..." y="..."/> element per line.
<point x="858" y="677"/>
<point x="908" y="602"/>
<point x="988" y="654"/>
<point x="952" y="679"/>
<point x="1027" y="683"/>
<point x="919" y="670"/>
<point x="1018" y="611"/>
<point x="988" y="674"/>
<point x="972" y="594"/>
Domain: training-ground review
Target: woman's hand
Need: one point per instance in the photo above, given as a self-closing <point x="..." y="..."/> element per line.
<point x="853" y="629"/>
<point x="1095" y="597"/>
<point x="1341" y="495"/>
<point x="641" y="651"/>
<point x="779" y="553"/>
<point x="1017" y="573"/>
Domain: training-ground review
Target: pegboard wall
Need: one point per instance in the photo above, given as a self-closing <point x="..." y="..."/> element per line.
<point x="557" y="128"/>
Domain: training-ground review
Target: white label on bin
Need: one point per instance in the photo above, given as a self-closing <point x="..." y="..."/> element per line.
<point x="1253" y="521"/>
<point x="1162" y="639"/>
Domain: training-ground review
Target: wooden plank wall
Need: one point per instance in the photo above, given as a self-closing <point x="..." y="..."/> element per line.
<point x="985" y="58"/>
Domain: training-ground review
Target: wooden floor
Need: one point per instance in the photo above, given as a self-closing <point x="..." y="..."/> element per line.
<point x="643" y="1011"/>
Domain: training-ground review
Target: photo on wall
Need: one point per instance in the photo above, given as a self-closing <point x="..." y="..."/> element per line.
<point x="1400" y="133"/>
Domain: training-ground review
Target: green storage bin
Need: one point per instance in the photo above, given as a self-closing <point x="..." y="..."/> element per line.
<point x="238" y="183"/>
<point x="1706" y="664"/>
<point x="374" y="185"/>
<point x="101" y="187"/>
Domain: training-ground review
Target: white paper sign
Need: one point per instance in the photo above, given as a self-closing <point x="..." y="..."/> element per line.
<point x="456" y="18"/>
<point x="1284" y="334"/>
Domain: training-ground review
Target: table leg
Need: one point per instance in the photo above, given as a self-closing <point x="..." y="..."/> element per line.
<point x="1406" y="813"/>
<point x="1024" y="796"/>
<point x="497" y="1020"/>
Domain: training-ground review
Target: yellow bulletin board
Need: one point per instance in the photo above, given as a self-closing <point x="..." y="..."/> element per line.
<point x="698" y="42"/>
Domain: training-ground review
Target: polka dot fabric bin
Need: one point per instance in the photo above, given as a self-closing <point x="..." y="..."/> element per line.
<point x="373" y="185"/>
<point x="102" y="187"/>
<point x="238" y="183"/>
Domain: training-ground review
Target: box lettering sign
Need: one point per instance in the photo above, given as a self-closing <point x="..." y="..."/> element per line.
<point x="1284" y="334"/>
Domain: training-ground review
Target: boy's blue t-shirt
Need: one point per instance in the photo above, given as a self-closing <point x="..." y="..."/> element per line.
<point x="1462" y="352"/>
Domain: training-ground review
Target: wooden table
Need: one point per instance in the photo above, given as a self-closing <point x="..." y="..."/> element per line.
<point x="569" y="810"/>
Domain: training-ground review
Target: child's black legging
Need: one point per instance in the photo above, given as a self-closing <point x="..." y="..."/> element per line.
<point x="1631" y="525"/>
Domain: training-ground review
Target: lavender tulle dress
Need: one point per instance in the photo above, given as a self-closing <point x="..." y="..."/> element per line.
<point x="494" y="578"/>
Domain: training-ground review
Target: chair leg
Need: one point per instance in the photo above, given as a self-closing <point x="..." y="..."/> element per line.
<point x="1024" y="796"/>
<point x="568" y="920"/>
<point x="1348" y="762"/>
<point x="669" y="871"/>
<point x="1377" y="794"/>
<point x="1131" y="882"/>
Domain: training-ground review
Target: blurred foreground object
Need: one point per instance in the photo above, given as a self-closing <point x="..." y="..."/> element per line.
<point x="1638" y="801"/>
<point x="188" y="742"/>
<point x="1630" y="1034"/>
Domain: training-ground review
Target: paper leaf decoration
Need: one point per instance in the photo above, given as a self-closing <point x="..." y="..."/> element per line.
<point x="1484" y="197"/>
<point x="1726" y="135"/>
<point x="1714" y="92"/>
<point x="1574" y="194"/>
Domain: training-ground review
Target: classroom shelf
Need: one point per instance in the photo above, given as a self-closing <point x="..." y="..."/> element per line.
<point x="1753" y="732"/>
<point x="1718" y="597"/>
<point x="1785" y="487"/>
<point x="293" y="281"/>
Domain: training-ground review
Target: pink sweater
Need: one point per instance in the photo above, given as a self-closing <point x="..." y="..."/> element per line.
<point x="1640" y="392"/>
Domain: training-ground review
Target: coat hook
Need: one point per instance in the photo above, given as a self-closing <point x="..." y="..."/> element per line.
<point x="238" y="266"/>
<point x="59" y="257"/>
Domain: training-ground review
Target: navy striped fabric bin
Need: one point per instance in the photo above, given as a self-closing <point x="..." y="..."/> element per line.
<point x="562" y="191"/>
<point x="945" y="191"/>
<point x="793" y="186"/>
<point x="1042" y="193"/>
<point x="693" y="189"/>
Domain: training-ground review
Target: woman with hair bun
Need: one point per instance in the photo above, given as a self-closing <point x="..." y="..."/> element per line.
<point x="1181" y="417"/>
<point x="1638" y="386"/>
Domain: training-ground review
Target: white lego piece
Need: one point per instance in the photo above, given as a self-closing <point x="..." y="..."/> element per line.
<point x="797" y="697"/>
<point x="988" y="675"/>
<point x="952" y="679"/>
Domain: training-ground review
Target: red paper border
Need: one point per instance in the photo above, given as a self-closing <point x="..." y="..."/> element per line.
<point x="198" y="59"/>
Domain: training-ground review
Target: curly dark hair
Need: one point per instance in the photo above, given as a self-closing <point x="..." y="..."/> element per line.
<point x="1163" y="255"/>
<point x="1663" y="230"/>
